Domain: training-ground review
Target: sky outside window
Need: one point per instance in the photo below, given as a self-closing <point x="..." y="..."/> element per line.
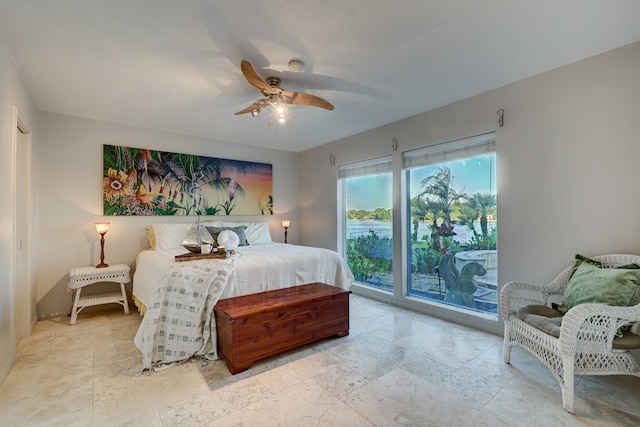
<point x="369" y="192"/>
<point x="473" y="175"/>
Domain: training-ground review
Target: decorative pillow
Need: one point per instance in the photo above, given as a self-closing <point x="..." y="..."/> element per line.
<point x="590" y="283"/>
<point x="579" y="260"/>
<point x="258" y="233"/>
<point x="239" y="230"/>
<point x="228" y="239"/>
<point x="583" y="259"/>
<point x="151" y="236"/>
<point x="168" y="236"/>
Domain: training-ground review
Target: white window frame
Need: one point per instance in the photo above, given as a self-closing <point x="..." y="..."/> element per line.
<point x="349" y="170"/>
<point x="442" y="152"/>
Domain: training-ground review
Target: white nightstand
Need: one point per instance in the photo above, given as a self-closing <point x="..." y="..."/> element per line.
<point x="85" y="276"/>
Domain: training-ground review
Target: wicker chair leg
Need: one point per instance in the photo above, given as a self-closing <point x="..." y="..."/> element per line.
<point x="506" y="352"/>
<point x="567" y="385"/>
<point x="506" y="346"/>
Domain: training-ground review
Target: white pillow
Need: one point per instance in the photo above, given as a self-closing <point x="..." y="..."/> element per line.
<point x="229" y="239"/>
<point x="257" y="233"/>
<point x="151" y="236"/>
<point x="168" y="236"/>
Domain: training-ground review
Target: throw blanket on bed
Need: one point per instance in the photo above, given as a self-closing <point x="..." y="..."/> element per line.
<point x="178" y="323"/>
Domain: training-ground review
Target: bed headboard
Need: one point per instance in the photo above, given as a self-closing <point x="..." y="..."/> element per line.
<point x="171" y="235"/>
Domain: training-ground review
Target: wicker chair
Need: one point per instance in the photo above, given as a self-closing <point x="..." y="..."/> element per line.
<point x="586" y="342"/>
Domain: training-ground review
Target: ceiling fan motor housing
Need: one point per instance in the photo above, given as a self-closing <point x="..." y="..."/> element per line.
<point x="273" y="81"/>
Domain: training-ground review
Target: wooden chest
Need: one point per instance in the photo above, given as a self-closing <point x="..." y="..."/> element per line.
<point x="256" y="326"/>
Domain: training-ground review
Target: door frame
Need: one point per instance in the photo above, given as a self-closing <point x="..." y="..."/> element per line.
<point x="25" y="307"/>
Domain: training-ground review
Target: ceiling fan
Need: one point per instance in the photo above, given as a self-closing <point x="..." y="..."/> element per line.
<point x="275" y="98"/>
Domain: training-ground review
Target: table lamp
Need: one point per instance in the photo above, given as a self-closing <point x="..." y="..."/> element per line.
<point x="286" y="223"/>
<point x="102" y="228"/>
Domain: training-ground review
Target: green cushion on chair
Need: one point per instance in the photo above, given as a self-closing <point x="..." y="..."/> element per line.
<point x="591" y="283"/>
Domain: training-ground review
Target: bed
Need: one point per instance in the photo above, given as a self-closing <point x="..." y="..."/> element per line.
<point x="177" y="298"/>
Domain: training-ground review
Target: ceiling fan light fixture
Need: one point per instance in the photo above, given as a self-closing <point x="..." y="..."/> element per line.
<point x="275" y="99"/>
<point x="273" y="104"/>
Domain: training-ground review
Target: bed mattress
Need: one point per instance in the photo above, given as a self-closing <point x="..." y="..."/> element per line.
<point x="259" y="268"/>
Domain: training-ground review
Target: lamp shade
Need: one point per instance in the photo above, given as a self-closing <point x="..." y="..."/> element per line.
<point x="102" y="227"/>
<point x="286" y="223"/>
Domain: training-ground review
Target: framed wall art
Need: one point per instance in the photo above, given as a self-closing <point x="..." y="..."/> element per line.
<point x="139" y="181"/>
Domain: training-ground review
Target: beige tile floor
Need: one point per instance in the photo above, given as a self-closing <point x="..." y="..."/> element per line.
<point x="396" y="368"/>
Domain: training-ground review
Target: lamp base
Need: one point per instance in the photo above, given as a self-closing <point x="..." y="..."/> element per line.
<point x="102" y="263"/>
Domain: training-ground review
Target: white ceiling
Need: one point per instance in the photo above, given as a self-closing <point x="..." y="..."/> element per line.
<point x="175" y="65"/>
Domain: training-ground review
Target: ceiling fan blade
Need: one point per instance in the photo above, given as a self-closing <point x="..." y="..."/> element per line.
<point x="255" y="80"/>
<point x="300" y="98"/>
<point x="253" y="107"/>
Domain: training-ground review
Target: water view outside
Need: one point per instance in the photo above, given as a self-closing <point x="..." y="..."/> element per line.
<point x="357" y="228"/>
<point x="451" y="222"/>
<point x="369" y="251"/>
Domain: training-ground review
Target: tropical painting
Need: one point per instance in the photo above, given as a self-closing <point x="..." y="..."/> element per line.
<point x="139" y="181"/>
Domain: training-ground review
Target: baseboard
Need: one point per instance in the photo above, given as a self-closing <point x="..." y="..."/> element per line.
<point x="4" y="372"/>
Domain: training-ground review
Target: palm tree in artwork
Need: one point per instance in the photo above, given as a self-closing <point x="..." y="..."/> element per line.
<point x="182" y="173"/>
<point x="213" y="170"/>
<point x="189" y="173"/>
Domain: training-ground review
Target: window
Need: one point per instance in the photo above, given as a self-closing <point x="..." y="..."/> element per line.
<point x="451" y="223"/>
<point x="366" y="229"/>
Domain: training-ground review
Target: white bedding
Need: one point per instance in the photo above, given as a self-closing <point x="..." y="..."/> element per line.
<point x="260" y="268"/>
<point x="179" y="296"/>
<point x="179" y="321"/>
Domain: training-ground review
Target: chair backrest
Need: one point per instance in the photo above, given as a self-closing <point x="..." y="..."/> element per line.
<point x="608" y="260"/>
<point x="616" y="260"/>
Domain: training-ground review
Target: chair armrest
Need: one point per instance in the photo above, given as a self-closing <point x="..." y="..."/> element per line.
<point x="592" y="327"/>
<point x="514" y="295"/>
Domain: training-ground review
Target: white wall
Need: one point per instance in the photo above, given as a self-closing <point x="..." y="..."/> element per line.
<point x="567" y="166"/>
<point x="71" y="197"/>
<point x="12" y="93"/>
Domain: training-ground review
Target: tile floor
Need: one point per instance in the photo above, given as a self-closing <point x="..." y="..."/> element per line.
<point x="396" y="368"/>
